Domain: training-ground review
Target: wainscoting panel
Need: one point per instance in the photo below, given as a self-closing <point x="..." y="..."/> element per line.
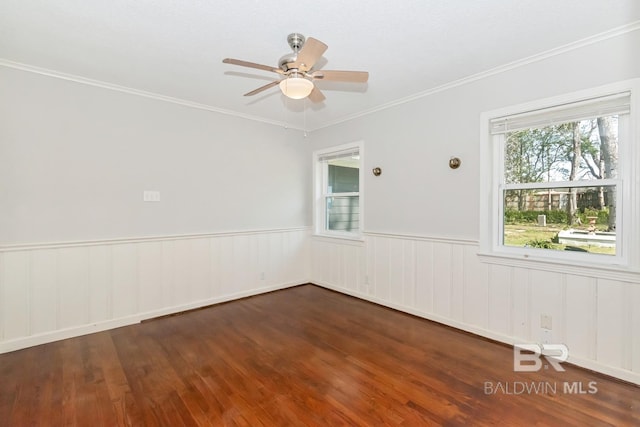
<point x="125" y="276"/>
<point x="408" y="272"/>
<point x="499" y="299"/>
<point x="55" y="291"/>
<point x="44" y="296"/>
<point x="521" y="304"/>
<point x="475" y="294"/>
<point x="71" y="284"/>
<point x="150" y="276"/>
<point x="635" y="329"/>
<point x="444" y="280"/>
<point x="579" y="310"/>
<point x="546" y="299"/>
<point x="611" y="304"/>
<point x="424" y="285"/>
<point x="16" y="297"/>
<point x="100" y="284"/>
<point x="342" y="264"/>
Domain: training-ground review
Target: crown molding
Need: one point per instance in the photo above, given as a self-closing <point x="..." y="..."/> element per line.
<point x="151" y="95"/>
<point x="615" y="32"/>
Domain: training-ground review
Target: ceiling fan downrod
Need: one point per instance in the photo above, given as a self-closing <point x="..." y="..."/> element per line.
<point x="296" y="41"/>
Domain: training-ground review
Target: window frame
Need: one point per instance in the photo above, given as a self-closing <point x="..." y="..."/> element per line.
<point x="320" y="185"/>
<point x="492" y="186"/>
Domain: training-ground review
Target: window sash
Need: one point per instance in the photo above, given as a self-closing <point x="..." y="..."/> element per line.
<point x="352" y="152"/>
<point x="499" y="243"/>
<point x="322" y="194"/>
<point x="626" y="263"/>
<point x="326" y="194"/>
<point x="327" y="216"/>
<point x="561" y="184"/>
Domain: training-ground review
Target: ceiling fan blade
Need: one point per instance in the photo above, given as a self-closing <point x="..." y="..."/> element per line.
<point x="316" y="96"/>
<point x="341" y="76"/>
<point x="262" y="88"/>
<point x="311" y="51"/>
<point x="251" y="65"/>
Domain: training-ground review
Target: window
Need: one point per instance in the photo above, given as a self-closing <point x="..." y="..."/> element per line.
<point x="338" y="197"/>
<point x="558" y="179"/>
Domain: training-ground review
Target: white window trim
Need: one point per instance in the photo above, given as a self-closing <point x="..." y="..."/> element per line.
<point x="619" y="266"/>
<point x="319" y="184"/>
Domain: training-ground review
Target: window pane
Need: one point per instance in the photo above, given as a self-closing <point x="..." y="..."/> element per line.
<point x="571" y="219"/>
<point x="342" y="213"/>
<point x="573" y="151"/>
<point x="343" y="175"/>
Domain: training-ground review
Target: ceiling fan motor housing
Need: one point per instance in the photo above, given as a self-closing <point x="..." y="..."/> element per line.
<point x="287" y="59"/>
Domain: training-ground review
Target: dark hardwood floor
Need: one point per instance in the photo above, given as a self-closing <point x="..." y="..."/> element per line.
<point x="297" y="357"/>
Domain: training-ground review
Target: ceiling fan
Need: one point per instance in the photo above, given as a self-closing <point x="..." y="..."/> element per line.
<point x="297" y="70"/>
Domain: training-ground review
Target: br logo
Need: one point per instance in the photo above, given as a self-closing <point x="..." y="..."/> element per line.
<point x="527" y="357"/>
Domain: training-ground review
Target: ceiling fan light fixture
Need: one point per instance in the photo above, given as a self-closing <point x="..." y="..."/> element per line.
<point x="297" y="72"/>
<point x="296" y="87"/>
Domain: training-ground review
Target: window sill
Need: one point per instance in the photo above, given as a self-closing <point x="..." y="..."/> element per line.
<point x="355" y="239"/>
<point x="580" y="268"/>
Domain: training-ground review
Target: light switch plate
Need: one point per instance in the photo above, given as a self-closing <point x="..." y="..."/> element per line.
<point x="151" y="196"/>
<point x="546" y="321"/>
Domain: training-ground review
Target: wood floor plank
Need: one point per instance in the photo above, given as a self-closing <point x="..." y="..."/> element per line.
<point x="302" y="356"/>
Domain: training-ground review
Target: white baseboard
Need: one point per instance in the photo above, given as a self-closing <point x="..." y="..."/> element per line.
<point x="622" y="374"/>
<point x="61" y="334"/>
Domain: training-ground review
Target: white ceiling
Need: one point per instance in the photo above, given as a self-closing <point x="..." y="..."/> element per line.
<point x="175" y="48"/>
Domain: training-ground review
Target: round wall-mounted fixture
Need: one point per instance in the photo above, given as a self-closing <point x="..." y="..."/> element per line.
<point x="377" y="171"/>
<point x="455" y="162"/>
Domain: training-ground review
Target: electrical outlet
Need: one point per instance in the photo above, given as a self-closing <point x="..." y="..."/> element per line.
<point x="546" y="321"/>
<point x="262" y="276"/>
<point x="546" y="336"/>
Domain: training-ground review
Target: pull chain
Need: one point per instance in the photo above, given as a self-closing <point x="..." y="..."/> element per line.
<point x="304" y="116"/>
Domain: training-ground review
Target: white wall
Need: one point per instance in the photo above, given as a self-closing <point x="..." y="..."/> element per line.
<point x="75" y="160"/>
<point x="419" y="252"/>
<point x="413" y="142"/>
<point x="79" y="249"/>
